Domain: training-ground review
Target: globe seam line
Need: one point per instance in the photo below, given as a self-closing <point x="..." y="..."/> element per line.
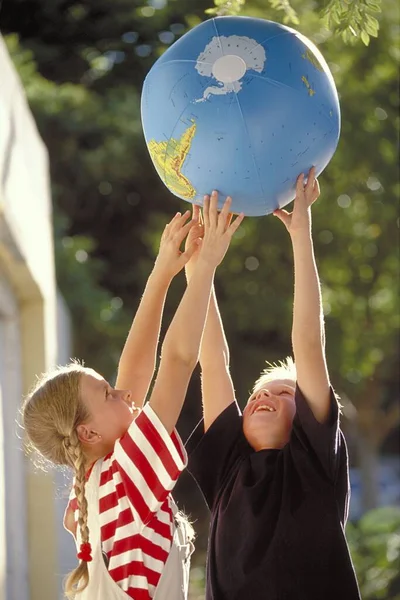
<point x="238" y="102"/>
<point x="170" y="62"/>
<point x="241" y="114"/>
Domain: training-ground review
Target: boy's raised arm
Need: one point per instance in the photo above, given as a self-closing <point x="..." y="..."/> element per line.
<point x="217" y="385"/>
<point x="308" y="333"/>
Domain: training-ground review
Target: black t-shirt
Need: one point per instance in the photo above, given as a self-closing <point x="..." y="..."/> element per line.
<point x="277" y="516"/>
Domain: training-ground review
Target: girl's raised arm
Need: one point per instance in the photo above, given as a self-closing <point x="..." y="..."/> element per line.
<point x="181" y="347"/>
<point x="138" y="358"/>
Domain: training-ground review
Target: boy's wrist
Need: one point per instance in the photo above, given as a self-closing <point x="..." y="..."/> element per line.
<point x="301" y="236"/>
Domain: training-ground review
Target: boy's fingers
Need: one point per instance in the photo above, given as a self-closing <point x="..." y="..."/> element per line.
<point x="316" y="190"/>
<point x="310" y="180"/>
<point x="300" y="184"/>
<point x="313" y="194"/>
<point x="283" y="216"/>
<point x="236" y="223"/>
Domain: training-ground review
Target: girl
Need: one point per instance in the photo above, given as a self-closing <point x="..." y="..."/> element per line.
<point x="127" y="459"/>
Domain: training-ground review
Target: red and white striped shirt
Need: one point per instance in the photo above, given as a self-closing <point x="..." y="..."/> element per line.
<point x="135" y="503"/>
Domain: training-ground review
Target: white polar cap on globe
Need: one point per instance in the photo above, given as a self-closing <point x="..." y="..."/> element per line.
<point x="229" y="68"/>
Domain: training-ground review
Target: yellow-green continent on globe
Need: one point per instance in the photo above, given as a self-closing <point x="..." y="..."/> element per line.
<point x="308" y="55"/>
<point x="168" y="158"/>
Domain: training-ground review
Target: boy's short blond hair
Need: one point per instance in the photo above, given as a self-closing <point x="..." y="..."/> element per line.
<point x="283" y="369"/>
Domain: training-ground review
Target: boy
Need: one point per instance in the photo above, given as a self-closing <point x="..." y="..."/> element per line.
<point x="276" y="478"/>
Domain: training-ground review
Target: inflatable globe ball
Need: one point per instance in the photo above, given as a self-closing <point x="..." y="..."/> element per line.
<point x="243" y="106"/>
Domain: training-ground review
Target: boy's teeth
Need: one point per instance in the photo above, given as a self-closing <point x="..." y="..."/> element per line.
<point x="265" y="408"/>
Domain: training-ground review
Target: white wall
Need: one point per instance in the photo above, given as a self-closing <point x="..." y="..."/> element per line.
<point x="13" y="549"/>
<point x="63" y="479"/>
<point x="34" y="335"/>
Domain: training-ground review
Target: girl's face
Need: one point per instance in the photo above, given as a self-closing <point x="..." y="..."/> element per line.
<point x="111" y="413"/>
<point x="269" y="413"/>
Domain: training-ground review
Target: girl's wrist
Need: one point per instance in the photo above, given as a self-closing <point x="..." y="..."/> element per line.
<point x="189" y="268"/>
<point x="160" y="276"/>
<point x="204" y="264"/>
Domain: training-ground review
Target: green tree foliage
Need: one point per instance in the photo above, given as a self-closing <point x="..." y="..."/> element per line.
<point x="375" y="547"/>
<point x="353" y="20"/>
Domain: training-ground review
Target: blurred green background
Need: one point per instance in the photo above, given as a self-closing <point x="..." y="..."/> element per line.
<point x="82" y="65"/>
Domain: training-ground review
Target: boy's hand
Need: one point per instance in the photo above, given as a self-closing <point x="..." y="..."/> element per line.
<point x="218" y="229"/>
<point x="300" y="218"/>
<point x="170" y="259"/>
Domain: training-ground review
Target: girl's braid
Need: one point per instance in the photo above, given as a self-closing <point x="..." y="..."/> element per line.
<point x="80" y="482"/>
<point x="79" y="578"/>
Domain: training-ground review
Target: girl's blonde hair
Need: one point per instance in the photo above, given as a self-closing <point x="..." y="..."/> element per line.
<point x="51" y="414"/>
<point x="283" y="369"/>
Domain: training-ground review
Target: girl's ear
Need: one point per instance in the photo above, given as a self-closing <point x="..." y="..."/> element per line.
<point x="87" y="435"/>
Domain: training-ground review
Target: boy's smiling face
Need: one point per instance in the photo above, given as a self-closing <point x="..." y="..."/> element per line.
<point x="269" y="413"/>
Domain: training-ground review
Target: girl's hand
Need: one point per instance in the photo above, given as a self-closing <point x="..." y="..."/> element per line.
<point x="218" y="229"/>
<point x="300" y="218"/>
<point x="170" y="259"/>
<point x="196" y="232"/>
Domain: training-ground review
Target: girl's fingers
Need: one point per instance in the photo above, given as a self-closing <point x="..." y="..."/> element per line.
<point x="206" y="211"/>
<point x="174" y="219"/>
<point x="198" y="230"/>
<point x="178" y="221"/>
<point x="169" y="225"/>
<point x="213" y="209"/>
<point x="223" y="216"/>
<point x="193" y="232"/>
<point x="181" y="233"/>
<point x="196" y="212"/>
<point x="187" y="255"/>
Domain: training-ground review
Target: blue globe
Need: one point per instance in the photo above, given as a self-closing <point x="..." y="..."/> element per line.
<point x="243" y="106"/>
